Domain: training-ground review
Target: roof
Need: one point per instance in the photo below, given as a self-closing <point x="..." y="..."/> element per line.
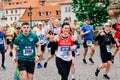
<point x="66" y="2"/>
<point x="44" y="9"/>
<point x="2" y="3"/>
<point x="13" y="4"/>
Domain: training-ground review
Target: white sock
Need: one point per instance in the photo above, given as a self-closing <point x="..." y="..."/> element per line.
<point x="72" y="76"/>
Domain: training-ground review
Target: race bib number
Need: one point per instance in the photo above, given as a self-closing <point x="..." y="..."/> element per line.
<point x="108" y="48"/>
<point x="27" y="51"/>
<point x="41" y="41"/>
<point x="65" y="51"/>
<point x="89" y="42"/>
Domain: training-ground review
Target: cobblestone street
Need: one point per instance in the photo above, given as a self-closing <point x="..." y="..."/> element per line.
<point x="83" y="71"/>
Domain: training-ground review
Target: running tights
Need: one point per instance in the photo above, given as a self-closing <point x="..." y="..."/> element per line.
<point x="63" y="68"/>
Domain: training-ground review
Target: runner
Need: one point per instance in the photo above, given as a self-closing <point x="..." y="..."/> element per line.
<point x="2" y="47"/>
<point x="41" y="34"/>
<point x="56" y="31"/>
<point x="105" y="39"/>
<point x="27" y="56"/>
<point x="64" y="53"/>
<point x="116" y="28"/>
<point x="10" y="35"/>
<point x="77" y="33"/>
<point x="87" y="33"/>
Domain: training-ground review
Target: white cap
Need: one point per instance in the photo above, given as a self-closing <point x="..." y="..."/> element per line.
<point x="109" y="21"/>
<point x="40" y="23"/>
<point x="106" y="24"/>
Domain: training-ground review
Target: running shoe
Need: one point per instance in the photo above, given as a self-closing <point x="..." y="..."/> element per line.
<point x="106" y="76"/>
<point x="45" y="64"/>
<point x="39" y="66"/>
<point x="97" y="72"/>
<point x="77" y="54"/>
<point x="3" y="67"/>
<point x="84" y="61"/>
<point x="91" y="60"/>
<point x="73" y="79"/>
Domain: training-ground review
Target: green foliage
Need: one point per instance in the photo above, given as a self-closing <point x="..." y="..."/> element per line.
<point x="96" y="10"/>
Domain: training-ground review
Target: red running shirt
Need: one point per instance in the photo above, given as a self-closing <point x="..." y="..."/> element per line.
<point x="117" y="33"/>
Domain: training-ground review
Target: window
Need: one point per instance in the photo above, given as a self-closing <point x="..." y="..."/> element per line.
<point x="58" y="12"/>
<point x="69" y="9"/>
<point x="11" y="11"/>
<point x="16" y="11"/>
<point x="42" y="3"/>
<point x="6" y="11"/>
<point x="9" y="3"/>
<point x="48" y="13"/>
<point x="41" y="13"/>
<point x="65" y="9"/>
<point x="15" y="18"/>
<point x="11" y="18"/>
<point x="17" y="3"/>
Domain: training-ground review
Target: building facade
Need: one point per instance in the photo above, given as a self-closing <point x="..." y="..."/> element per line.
<point x="66" y="11"/>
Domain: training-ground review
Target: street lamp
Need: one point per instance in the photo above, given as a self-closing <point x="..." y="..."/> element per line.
<point x="30" y="14"/>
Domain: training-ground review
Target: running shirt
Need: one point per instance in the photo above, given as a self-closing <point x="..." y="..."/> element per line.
<point x="11" y="30"/>
<point x="41" y="36"/>
<point x="56" y="31"/>
<point x="117" y="33"/>
<point x="88" y="36"/>
<point x="2" y="39"/>
<point x="26" y="46"/>
<point x="64" y="51"/>
<point x="76" y="27"/>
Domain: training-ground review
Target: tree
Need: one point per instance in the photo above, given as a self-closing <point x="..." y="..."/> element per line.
<point x="96" y="10"/>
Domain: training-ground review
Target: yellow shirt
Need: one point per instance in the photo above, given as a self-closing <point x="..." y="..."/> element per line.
<point x="11" y="30"/>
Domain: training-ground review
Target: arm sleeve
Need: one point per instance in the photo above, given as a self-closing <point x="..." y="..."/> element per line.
<point x="97" y="37"/>
<point x="77" y="44"/>
<point x="113" y="41"/>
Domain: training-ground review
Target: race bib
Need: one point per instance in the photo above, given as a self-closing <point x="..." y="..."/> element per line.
<point x="89" y="42"/>
<point x="108" y="48"/>
<point x="65" y="52"/>
<point x="41" y="41"/>
<point x="27" y="51"/>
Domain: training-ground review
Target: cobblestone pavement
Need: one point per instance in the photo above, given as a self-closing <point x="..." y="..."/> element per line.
<point x="83" y="71"/>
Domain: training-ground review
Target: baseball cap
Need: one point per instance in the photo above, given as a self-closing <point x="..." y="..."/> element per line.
<point x="18" y="27"/>
<point x="87" y="19"/>
<point x="40" y="23"/>
<point x="106" y="25"/>
<point x="75" y="20"/>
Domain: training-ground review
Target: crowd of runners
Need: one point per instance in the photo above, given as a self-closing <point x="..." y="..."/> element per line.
<point x="27" y="45"/>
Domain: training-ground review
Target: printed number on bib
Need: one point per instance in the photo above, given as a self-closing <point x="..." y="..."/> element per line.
<point x="65" y="51"/>
<point x="89" y="42"/>
<point x="27" y="51"/>
<point x="108" y="48"/>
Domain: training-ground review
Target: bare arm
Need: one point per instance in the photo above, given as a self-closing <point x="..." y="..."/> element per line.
<point x="14" y="53"/>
